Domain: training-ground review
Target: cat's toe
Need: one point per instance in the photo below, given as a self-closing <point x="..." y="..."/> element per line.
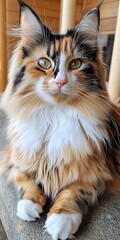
<point x="62" y="226"/>
<point x="27" y="210"/>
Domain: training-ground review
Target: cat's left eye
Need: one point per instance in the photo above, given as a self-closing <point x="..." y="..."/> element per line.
<point x="44" y="63"/>
<point x="75" y="64"/>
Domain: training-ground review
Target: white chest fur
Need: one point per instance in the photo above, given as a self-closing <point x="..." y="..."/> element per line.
<point x="59" y="128"/>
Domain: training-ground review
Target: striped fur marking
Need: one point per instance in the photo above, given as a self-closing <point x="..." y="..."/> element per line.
<point x="19" y="77"/>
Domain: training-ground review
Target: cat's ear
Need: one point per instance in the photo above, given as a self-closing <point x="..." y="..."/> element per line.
<point x="31" y="26"/>
<point x="87" y="30"/>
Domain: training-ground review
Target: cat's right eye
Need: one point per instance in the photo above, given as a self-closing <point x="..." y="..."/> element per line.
<point x="75" y="64"/>
<point x="44" y="63"/>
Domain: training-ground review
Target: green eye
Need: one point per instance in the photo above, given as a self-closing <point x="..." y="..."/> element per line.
<point x="75" y="64"/>
<point x="44" y="63"/>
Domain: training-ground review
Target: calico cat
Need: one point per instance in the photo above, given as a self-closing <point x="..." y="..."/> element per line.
<point x="63" y="129"/>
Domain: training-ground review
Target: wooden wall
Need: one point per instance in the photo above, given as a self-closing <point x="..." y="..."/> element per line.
<point x="49" y="11"/>
<point x="109" y="11"/>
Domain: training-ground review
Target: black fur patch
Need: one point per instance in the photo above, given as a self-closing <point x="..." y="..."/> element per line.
<point x="11" y="166"/>
<point x="19" y="78"/>
<point x="56" y="59"/>
<point x="53" y="36"/>
<point x="86" y="50"/>
<point x="40" y="185"/>
<point x="22" y="192"/>
<point x="25" y="52"/>
<point x="88" y="70"/>
<point x="113" y="146"/>
<point x="92" y="83"/>
<point x="39" y="69"/>
<point x="56" y="70"/>
<point x="83" y="205"/>
<point x="85" y="193"/>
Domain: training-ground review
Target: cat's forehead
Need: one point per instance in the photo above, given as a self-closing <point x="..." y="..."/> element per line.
<point x="60" y="45"/>
<point x="54" y="46"/>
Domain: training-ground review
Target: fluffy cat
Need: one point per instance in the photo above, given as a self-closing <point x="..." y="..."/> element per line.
<point x="63" y="130"/>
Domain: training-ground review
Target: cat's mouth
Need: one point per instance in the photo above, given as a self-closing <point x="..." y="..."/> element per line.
<point x="59" y="91"/>
<point x="59" y="95"/>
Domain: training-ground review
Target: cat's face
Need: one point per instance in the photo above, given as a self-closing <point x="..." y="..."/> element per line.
<point x="55" y="68"/>
<point x="59" y="71"/>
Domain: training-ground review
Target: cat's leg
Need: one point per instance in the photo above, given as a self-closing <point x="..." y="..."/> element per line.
<point x="67" y="212"/>
<point x="32" y="199"/>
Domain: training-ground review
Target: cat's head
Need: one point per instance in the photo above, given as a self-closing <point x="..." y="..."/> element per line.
<point x="53" y="68"/>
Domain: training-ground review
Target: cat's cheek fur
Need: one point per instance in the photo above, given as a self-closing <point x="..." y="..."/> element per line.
<point x="29" y="211"/>
<point x="63" y="225"/>
<point x="42" y="94"/>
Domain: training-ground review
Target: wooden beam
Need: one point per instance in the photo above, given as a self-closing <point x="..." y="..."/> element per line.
<point x="68" y="15"/>
<point x="3" y="46"/>
<point x="114" y="78"/>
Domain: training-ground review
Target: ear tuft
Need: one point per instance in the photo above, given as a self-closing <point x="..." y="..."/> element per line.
<point x="31" y="26"/>
<point x="21" y="3"/>
<point x="87" y="29"/>
<point x="99" y="4"/>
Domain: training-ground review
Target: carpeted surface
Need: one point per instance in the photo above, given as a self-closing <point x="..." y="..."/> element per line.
<point x="2" y="232"/>
<point x="102" y="222"/>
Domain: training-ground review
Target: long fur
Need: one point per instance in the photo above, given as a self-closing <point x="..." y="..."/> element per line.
<point x="63" y="142"/>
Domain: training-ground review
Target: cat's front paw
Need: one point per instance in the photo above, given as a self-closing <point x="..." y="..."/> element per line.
<point x="62" y="226"/>
<point x="27" y="210"/>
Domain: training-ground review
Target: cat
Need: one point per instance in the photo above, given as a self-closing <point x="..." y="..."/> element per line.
<point x="63" y="129"/>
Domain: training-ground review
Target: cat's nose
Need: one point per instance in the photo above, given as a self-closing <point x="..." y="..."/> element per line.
<point x="61" y="83"/>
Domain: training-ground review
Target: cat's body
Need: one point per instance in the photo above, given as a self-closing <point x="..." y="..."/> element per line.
<point x="62" y="140"/>
<point x="63" y="130"/>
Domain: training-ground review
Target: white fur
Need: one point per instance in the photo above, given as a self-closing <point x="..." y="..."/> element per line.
<point x="62" y="225"/>
<point x="13" y="68"/>
<point x="62" y="72"/>
<point x="59" y="127"/>
<point x="39" y="88"/>
<point x="28" y="210"/>
<point x="89" y="25"/>
<point x="30" y="26"/>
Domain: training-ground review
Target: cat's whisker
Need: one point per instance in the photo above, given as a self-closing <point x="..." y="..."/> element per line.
<point x="87" y="107"/>
<point x="51" y="25"/>
<point x="110" y="117"/>
<point x="99" y="105"/>
<point x="104" y="98"/>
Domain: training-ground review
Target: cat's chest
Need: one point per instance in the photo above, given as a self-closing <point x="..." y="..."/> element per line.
<point x="56" y="129"/>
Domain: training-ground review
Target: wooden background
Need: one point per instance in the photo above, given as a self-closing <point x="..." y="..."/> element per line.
<point x="50" y="11"/>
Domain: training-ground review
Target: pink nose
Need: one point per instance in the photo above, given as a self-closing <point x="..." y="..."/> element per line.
<point x="61" y="83"/>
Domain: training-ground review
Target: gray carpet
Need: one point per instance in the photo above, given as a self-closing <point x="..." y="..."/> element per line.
<point x="102" y="222"/>
<point x="2" y="232"/>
